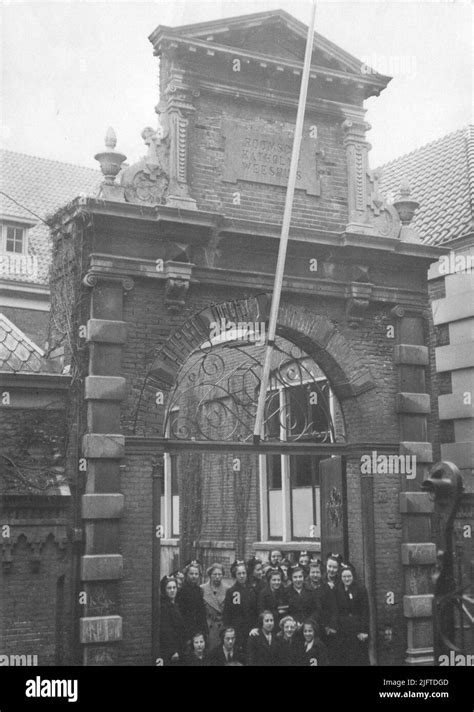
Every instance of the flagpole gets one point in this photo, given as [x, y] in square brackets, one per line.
[285, 229]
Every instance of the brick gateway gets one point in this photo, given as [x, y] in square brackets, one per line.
[191, 232]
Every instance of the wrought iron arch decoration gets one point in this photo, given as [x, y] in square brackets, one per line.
[170, 362]
[216, 392]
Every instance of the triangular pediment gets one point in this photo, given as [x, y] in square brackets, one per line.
[275, 34]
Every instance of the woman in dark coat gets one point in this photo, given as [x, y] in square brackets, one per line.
[302, 603]
[311, 651]
[240, 606]
[263, 649]
[328, 608]
[191, 602]
[274, 597]
[255, 576]
[172, 629]
[353, 620]
[288, 647]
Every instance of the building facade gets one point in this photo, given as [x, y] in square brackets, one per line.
[163, 284]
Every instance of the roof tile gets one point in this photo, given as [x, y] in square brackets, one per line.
[441, 177]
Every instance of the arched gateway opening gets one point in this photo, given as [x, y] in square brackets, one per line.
[226, 496]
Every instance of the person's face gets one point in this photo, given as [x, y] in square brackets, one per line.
[284, 568]
[298, 580]
[199, 644]
[332, 568]
[193, 574]
[179, 579]
[308, 633]
[276, 557]
[258, 572]
[241, 574]
[289, 628]
[347, 577]
[304, 560]
[275, 582]
[229, 640]
[315, 574]
[216, 577]
[268, 623]
[171, 590]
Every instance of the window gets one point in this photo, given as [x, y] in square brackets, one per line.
[289, 484]
[170, 496]
[13, 239]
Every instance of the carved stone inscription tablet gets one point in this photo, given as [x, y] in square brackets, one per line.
[264, 156]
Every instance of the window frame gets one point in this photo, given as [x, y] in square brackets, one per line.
[286, 484]
[17, 225]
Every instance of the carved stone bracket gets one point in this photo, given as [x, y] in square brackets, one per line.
[358, 303]
[398, 311]
[93, 277]
[178, 277]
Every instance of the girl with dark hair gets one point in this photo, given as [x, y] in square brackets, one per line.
[255, 575]
[197, 656]
[172, 628]
[191, 602]
[353, 614]
[240, 605]
[274, 597]
[214, 595]
[263, 648]
[312, 651]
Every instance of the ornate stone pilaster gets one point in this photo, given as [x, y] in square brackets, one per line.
[176, 112]
[357, 167]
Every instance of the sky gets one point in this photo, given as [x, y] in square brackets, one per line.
[71, 68]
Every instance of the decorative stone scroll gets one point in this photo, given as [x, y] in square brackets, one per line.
[147, 180]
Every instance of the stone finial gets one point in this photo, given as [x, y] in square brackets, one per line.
[110, 138]
[405, 207]
[110, 160]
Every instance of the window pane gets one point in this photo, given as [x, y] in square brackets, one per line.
[301, 468]
[175, 515]
[14, 241]
[302, 512]
[274, 471]
[275, 524]
[272, 415]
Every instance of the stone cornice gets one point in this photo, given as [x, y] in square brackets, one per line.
[169, 39]
[43, 381]
[275, 97]
[119, 267]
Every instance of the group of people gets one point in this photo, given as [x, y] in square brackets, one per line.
[275, 613]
